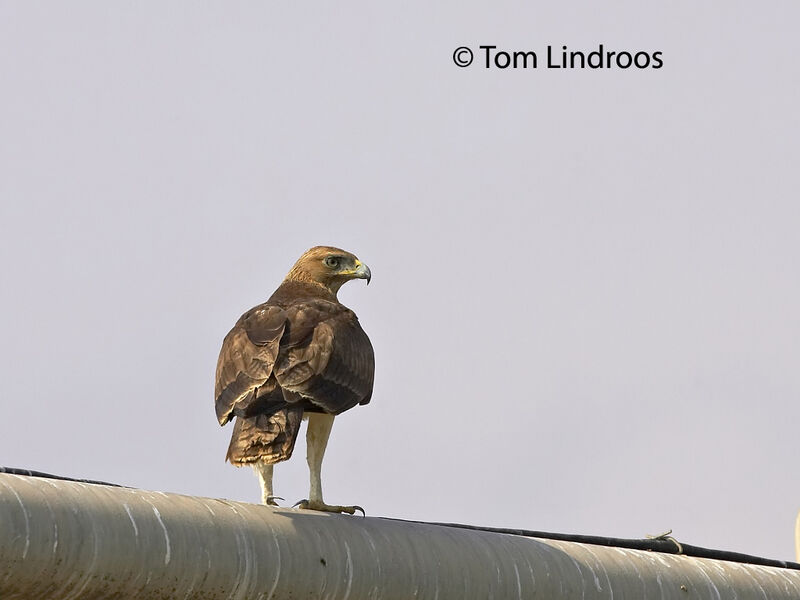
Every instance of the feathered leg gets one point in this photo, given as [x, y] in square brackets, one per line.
[319, 430]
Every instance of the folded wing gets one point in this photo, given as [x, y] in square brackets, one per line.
[246, 360]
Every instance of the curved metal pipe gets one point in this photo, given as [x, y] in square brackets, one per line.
[63, 539]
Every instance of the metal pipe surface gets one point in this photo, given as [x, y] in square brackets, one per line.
[62, 539]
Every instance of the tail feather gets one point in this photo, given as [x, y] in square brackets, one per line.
[266, 438]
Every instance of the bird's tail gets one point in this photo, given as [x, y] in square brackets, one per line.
[266, 438]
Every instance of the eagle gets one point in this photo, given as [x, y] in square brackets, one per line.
[302, 354]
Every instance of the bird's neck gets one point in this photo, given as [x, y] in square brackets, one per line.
[301, 280]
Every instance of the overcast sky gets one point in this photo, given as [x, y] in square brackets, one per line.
[585, 303]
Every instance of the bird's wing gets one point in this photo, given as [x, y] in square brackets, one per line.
[326, 357]
[247, 359]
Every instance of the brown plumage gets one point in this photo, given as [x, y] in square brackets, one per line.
[301, 352]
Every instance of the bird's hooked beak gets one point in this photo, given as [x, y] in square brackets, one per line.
[362, 271]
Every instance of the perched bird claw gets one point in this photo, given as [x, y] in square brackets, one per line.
[334, 508]
[270, 500]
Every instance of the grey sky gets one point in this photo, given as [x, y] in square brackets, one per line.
[585, 288]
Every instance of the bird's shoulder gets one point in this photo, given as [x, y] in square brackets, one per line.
[291, 313]
[303, 301]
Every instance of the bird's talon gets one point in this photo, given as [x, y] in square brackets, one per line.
[270, 500]
[321, 506]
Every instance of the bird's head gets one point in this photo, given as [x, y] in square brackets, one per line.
[329, 267]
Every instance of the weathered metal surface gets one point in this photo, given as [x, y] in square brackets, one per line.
[61, 540]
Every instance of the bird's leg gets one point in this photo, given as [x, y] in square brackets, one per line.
[319, 429]
[264, 473]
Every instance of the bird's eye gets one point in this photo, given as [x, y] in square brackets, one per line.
[332, 262]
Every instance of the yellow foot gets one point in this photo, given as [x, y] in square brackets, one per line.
[316, 505]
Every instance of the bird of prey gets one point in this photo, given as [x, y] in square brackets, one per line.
[300, 354]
